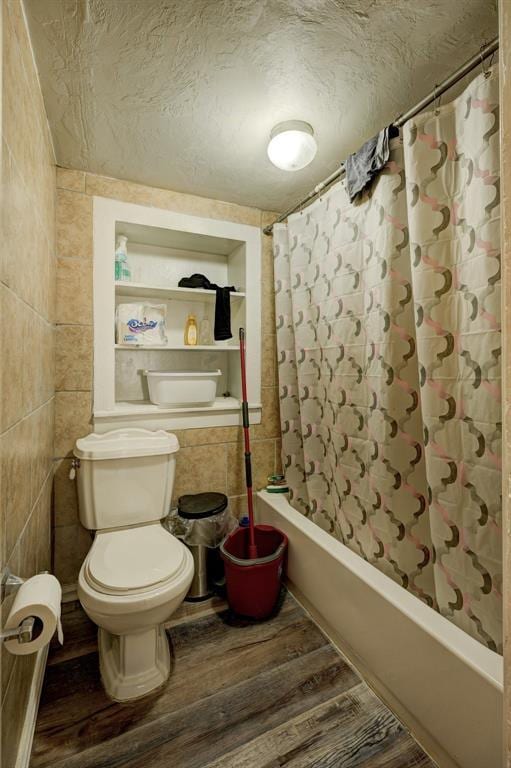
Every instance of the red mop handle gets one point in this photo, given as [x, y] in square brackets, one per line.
[248, 458]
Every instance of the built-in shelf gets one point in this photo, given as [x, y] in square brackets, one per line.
[181, 347]
[144, 407]
[163, 246]
[160, 292]
[151, 416]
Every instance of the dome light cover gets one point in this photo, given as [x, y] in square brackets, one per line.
[292, 145]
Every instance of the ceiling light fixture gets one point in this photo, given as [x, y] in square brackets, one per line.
[292, 145]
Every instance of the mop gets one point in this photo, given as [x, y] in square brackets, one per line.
[252, 549]
[253, 571]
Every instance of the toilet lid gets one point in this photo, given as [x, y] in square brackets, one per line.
[133, 559]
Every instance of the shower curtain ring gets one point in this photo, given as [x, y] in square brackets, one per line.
[438, 98]
[317, 190]
[486, 72]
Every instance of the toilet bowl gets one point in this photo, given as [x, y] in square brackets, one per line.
[136, 573]
[130, 583]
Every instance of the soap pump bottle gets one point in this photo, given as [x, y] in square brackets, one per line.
[191, 331]
[122, 270]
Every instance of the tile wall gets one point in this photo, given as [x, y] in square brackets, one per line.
[27, 303]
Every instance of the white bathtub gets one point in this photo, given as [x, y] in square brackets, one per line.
[444, 685]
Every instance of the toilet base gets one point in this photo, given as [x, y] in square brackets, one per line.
[133, 665]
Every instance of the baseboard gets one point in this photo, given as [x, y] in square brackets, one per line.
[27, 732]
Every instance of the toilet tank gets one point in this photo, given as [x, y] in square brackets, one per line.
[125, 477]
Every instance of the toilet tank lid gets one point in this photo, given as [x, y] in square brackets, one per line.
[125, 443]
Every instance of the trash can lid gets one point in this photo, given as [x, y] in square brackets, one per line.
[194, 506]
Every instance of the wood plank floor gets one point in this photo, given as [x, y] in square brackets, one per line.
[241, 695]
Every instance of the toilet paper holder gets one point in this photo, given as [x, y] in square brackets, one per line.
[10, 585]
[24, 632]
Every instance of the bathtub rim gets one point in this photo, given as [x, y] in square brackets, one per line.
[482, 660]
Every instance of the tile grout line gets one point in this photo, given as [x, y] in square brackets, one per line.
[48, 476]
[26, 304]
[49, 135]
[27, 415]
[34, 201]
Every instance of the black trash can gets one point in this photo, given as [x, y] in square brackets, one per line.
[206, 527]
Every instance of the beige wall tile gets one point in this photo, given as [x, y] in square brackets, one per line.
[32, 371]
[42, 429]
[38, 361]
[39, 260]
[268, 217]
[74, 292]
[268, 325]
[65, 495]
[15, 472]
[27, 350]
[24, 124]
[45, 273]
[238, 506]
[52, 287]
[72, 542]
[270, 422]
[73, 364]
[47, 199]
[28, 546]
[72, 180]
[74, 225]
[199, 469]
[19, 231]
[72, 420]
[27, 240]
[130, 192]
[267, 287]
[209, 436]
[268, 360]
[263, 464]
[43, 513]
[12, 314]
[47, 355]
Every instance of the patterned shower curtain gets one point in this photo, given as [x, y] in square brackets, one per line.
[388, 333]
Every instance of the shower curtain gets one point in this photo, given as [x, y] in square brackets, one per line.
[388, 335]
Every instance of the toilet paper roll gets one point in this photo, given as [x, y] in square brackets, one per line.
[40, 597]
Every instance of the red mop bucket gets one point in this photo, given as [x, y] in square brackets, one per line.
[253, 585]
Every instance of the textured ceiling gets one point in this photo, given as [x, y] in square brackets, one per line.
[183, 93]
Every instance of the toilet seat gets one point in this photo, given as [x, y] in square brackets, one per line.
[133, 561]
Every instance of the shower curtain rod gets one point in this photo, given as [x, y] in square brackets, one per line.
[438, 90]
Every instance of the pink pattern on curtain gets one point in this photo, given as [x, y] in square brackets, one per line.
[389, 363]
[452, 157]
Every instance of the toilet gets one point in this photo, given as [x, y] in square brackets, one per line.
[136, 573]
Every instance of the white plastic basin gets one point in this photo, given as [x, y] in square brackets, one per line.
[180, 388]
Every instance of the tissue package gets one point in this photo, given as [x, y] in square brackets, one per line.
[141, 324]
